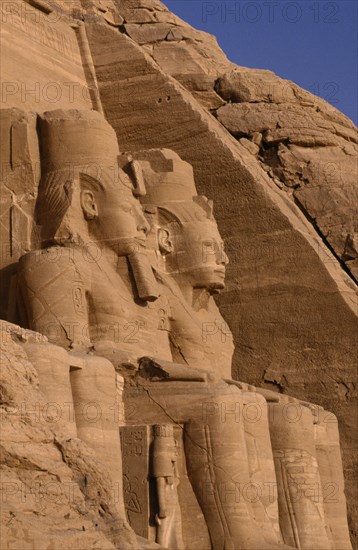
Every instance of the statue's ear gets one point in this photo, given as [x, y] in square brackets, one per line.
[164, 241]
[88, 204]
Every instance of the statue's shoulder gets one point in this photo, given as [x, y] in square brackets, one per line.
[53, 261]
[170, 294]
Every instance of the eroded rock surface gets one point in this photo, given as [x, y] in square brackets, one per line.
[290, 305]
[308, 147]
[55, 492]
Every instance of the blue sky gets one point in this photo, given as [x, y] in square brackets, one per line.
[312, 42]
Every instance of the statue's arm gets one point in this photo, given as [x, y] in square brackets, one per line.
[158, 369]
[53, 286]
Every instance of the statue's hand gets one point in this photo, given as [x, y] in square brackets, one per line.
[122, 359]
[242, 385]
[158, 369]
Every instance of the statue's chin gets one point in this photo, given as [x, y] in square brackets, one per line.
[213, 287]
[126, 246]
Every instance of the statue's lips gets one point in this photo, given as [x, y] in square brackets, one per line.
[138, 245]
[141, 241]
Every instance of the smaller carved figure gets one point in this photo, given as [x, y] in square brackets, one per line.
[165, 471]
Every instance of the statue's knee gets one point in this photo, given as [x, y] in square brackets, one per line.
[222, 407]
[327, 418]
[99, 366]
[49, 360]
[46, 352]
[94, 379]
[260, 399]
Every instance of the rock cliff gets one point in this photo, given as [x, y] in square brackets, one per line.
[55, 493]
[280, 165]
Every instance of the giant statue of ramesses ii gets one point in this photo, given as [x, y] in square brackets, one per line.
[124, 281]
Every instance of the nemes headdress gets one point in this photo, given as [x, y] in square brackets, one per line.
[169, 183]
[77, 138]
[77, 145]
[80, 149]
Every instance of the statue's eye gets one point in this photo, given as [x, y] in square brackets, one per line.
[127, 207]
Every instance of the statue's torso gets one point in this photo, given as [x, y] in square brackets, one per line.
[76, 301]
[199, 337]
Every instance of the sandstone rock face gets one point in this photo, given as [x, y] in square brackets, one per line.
[43, 68]
[20, 174]
[304, 144]
[280, 165]
[170, 242]
[55, 492]
[276, 114]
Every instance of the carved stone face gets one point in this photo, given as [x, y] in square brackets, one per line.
[118, 219]
[196, 251]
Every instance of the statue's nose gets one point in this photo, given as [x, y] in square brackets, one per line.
[142, 224]
[222, 258]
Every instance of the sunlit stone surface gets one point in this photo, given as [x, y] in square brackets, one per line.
[155, 395]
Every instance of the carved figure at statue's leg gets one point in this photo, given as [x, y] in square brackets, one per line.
[215, 450]
[164, 458]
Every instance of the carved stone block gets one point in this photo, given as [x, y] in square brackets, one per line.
[135, 444]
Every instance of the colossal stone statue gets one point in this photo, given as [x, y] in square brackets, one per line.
[122, 293]
[187, 242]
[56, 283]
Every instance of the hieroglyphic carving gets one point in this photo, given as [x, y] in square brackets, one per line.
[135, 443]
[47, 50]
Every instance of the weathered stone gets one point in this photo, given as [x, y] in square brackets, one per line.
[245, 85]
[252, 147]
[140, 16]
[308, 154]
[278, 123]
[51, 74]
[144, 34]
[112, 280]
[55, 490]
[208, 99]
[272, 246]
